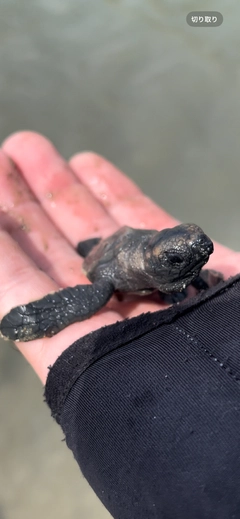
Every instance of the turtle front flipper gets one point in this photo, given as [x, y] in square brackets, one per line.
[84, 247]
[174, 297]
[54, 312]
[207, 278]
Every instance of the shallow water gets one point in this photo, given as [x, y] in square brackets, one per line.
[132, 81]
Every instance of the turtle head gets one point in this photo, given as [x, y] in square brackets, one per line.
[174, 257]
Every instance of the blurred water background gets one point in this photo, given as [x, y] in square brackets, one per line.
[132, 81]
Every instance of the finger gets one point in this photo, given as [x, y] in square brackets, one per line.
[20, 280]
[69, 204]
[124, 201]
[23, 218]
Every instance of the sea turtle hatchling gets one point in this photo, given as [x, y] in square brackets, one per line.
[130, 260]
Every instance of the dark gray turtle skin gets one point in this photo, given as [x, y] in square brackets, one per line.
[130, 260]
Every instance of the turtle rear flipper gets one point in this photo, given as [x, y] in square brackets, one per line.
[54, 312]
[84, 247]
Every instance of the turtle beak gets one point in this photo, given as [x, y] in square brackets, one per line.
[203, 248]
[210, 247]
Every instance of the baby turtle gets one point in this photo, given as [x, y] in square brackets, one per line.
[130, 260]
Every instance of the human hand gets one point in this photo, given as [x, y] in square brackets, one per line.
[48, 206]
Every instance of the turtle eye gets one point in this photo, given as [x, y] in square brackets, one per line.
[174, 257]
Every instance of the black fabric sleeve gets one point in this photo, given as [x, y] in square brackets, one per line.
[150, 408]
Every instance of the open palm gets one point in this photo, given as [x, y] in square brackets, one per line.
[47, 207]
